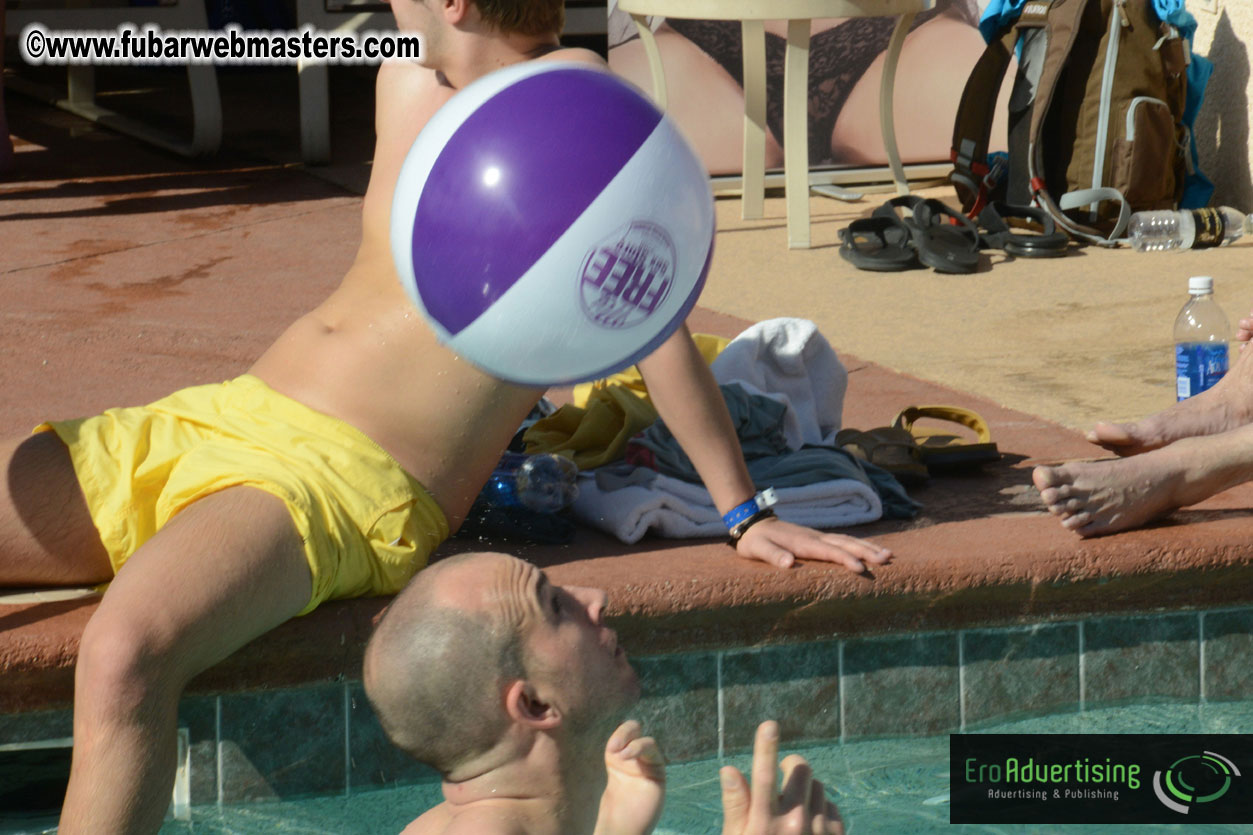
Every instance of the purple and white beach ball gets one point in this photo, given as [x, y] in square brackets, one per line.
[552, 224]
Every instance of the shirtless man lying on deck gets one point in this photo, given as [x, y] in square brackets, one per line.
[228, 527]
[1175, 458]
[509, 686]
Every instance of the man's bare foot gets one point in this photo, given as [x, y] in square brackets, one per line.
[1244, 330]
[1191, 418]
[1226, 406]
[1101, 497]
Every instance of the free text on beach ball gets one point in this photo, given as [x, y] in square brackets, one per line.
[551, 224]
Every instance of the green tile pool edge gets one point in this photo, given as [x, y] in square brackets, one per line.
[323, 739]
[883, 787]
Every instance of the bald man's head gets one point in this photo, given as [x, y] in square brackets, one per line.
[436, 665]
[443, 665]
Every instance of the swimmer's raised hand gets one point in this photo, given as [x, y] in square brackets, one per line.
[782, 543]
[801, 808]
[636, 789]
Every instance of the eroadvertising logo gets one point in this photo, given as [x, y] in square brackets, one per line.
[1101, 778]
[1209, 772]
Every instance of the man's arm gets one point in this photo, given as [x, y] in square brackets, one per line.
[687, 397]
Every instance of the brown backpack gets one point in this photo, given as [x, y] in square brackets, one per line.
[1095, 117]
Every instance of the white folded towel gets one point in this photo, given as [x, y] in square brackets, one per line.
[788, 360]
[673, 508]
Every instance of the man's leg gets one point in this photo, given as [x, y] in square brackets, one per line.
[1100, 497]
[225, 570]
[46, 534]
[1226, 406]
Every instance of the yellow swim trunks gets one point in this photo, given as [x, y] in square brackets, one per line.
[367, 525]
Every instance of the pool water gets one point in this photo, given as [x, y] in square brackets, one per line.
[893, 786]
[889, 786]
[900, 786]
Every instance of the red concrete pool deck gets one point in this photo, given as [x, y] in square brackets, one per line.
[981, 553]
[127, 274]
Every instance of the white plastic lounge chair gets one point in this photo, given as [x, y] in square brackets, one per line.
[81, 97]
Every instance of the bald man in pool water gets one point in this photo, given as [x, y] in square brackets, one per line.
[215, 526]
[509, 686]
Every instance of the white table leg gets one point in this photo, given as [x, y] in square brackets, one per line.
[81, 85]
[206, 109]
[313, 82]
[796, 133]
[754, 167]
[654, 59]
[887, 86]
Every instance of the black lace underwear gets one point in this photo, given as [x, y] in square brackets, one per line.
[838, 57]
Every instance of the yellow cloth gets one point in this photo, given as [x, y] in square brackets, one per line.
[367, 525]
[594, 430]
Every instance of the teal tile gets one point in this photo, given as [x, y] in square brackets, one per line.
[283, 744]
[32, 788]
[373, 761]
[1228, 655]
[33, 781]
[1151, 657]
[199, 715]
[36, 725]
[679, 703]
[797, 685]
[895, 686]
[1012, 673]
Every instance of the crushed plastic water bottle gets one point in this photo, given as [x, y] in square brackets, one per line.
[1167, 229]
[543, 483]
[1201, 337]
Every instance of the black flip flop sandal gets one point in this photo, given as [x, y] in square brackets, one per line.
[904, 201]
[946, 240]
[882, 244]
[1049, 243]
[945, 247]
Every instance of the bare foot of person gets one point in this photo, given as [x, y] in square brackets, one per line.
[1244, 330]
[1101, 497]
[1226, 406]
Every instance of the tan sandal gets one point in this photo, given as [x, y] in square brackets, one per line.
[942, 450]
[887, 447]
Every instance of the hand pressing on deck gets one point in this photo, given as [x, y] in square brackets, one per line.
[686, 395]
[800, 808]
[782, 543]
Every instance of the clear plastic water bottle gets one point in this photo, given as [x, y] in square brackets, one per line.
[544, 483]
[1201, 337]
[1159, 231]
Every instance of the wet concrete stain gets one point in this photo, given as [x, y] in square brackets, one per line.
[209, 221]
[158, 287]
[79, 258]
[70, 270]
[85, 247]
